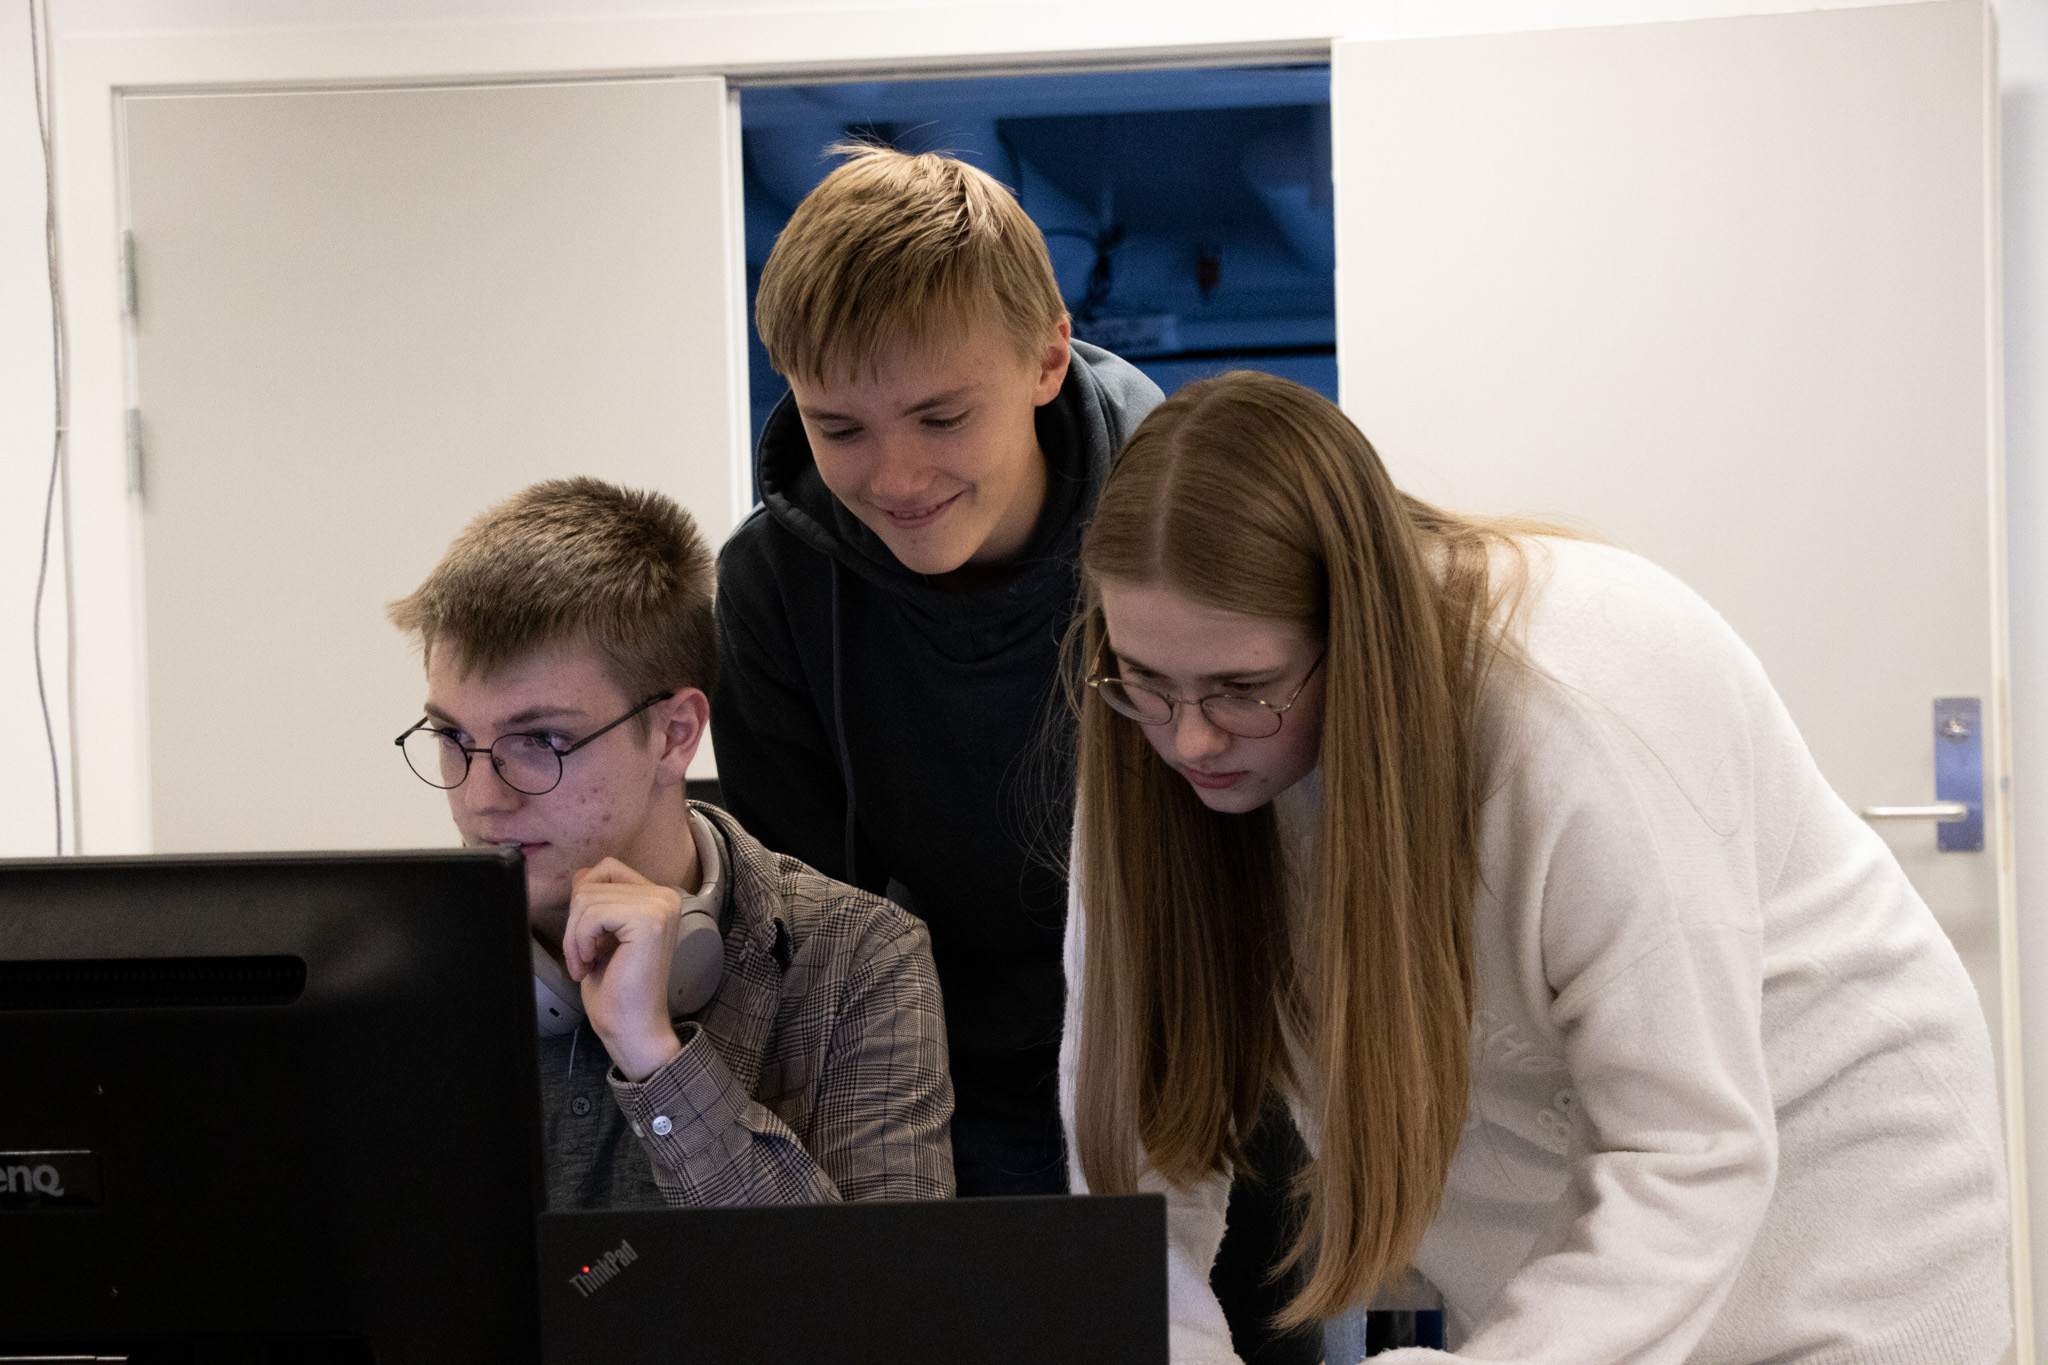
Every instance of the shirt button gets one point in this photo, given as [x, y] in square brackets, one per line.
[580, 1105]
[661, 1126]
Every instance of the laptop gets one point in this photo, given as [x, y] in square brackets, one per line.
[960, 1282]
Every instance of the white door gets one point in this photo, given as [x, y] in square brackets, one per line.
[1722, 292]
[362, 317]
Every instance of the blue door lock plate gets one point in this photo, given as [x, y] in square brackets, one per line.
[1959, 771]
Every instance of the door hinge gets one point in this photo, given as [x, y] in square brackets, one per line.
[129, 288]
[134, 425]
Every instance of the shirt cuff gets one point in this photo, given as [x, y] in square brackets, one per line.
[686, 1104]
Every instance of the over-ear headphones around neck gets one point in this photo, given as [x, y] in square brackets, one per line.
[693, 973]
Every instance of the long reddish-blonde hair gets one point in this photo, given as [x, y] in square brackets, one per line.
[1255, 495]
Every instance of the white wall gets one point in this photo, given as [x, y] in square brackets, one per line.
[27, 820]
[25, 815]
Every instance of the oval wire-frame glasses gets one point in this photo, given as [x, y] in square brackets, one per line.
[527, 760]
[1245, 717]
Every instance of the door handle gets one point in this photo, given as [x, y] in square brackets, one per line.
[1958, 807]
[1944, 811]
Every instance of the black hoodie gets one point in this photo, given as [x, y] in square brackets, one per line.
[833, 657]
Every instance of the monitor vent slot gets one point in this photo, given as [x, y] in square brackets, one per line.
[151, 983]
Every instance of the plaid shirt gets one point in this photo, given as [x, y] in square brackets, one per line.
[817, 1072]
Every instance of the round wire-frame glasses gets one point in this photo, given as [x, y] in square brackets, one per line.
[1245, 717]
[527, 761]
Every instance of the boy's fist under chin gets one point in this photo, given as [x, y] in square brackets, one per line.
[621, 938]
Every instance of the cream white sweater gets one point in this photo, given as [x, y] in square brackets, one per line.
[1732, 1094]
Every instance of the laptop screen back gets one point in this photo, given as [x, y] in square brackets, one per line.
[1021, 1281]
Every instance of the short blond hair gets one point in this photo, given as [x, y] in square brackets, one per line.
[573, 563]
[893, 248]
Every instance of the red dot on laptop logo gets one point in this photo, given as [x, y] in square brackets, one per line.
[586, 1270]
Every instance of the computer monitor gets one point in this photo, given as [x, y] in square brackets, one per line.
[268, 1108]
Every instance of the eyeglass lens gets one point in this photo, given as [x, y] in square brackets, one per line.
[527, 763]
[1245, 717]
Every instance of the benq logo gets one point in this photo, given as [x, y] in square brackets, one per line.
[33, 1179]
[604, 1269]
[45, 1180]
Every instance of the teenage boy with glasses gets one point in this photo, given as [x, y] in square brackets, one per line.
[890, 617]
[568, 635]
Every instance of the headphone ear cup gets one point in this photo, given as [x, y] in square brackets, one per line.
[557, 1001]
[694, 972]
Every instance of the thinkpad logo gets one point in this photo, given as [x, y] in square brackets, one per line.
[604, 1269]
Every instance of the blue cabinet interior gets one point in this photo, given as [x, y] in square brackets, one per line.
[1188, 212]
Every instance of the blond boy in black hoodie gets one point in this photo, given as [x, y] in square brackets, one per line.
[890, 616]
[888, 707]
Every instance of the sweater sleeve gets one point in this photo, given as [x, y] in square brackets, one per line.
[1197, 1332]
[778, 764]
[1675, 1163]
[1622, 873]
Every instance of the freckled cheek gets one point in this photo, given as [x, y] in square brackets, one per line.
[592, 813]
[576, 821]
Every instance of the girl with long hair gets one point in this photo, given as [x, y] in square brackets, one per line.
[1493, 852]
